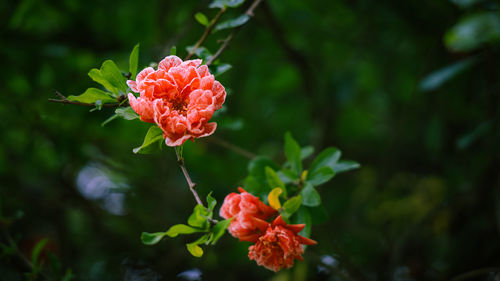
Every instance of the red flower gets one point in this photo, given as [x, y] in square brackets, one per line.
[248, 213]
[279, 246]
[180, 97]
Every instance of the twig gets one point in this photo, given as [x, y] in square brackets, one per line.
[64, 100]
[192, 185]
[19, 255]
[208, 29]
[241, 151]
[228, 39]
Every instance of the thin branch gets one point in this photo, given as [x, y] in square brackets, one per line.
[208, 29]
[64, 100]
[225, 42]
[192, 185]
[26, 264]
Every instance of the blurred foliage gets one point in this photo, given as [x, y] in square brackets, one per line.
[410, 89]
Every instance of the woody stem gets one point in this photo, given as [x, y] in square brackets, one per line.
[206, 33]
[192, 185]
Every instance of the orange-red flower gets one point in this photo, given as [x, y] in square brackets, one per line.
[248, 213]
[180, 97]
[279, 246]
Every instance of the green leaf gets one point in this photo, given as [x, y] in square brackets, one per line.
[126, 113]
[199, 217]
[152, 238]
[273, 180]
[222, 68]
[202, 19]
[151, 140]
[173, 51]
[92, 95]
[255, 186]
[293, 153]
[288, 176]
[291, 206]
[320, 176]
[303, 216]
[344, 166]
[327, 158]
[473, 31]
[110, 77]
[226, 3]
[211, 202]
[310, 197]
[219, 229]
[201, 52]
[193, 247]
[466, 3]
[306, 152]
[177, 229]
[134, 62]
[437, 78]
[257, 166]
[232, 23]
[35, 254]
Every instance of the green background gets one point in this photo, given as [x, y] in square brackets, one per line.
[409, 89]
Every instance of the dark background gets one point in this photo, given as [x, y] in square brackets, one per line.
[356, 74]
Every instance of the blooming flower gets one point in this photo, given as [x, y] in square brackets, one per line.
[248, 213]
[180, 97]
[279, 246]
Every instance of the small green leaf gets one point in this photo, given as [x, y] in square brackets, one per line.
[173, 51]
[177, 229]
[222, 68]
[199, 217]
[232, 23]
[152, 138]
[273, 180]
[288, 176]
[193, 247]
[327, 158]
[134, 62]
[293, 153]
[211, 202]
[306, 152]
[202, 19]
[473, 31]
[126, 113]
[310, 197]
[201, 52]
[320, 176]
[92, 95]
[35, 254]
[304, 216]
[344, 166]
[226, 3]
[110, 77]
[439, 77]
[291, 206]
[219, 229]
[152, 238]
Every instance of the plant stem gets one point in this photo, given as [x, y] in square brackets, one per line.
[225, 42]
[63, 99]
[208, 29]
[192, 185]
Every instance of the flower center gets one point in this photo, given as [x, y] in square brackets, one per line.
[180, 105]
